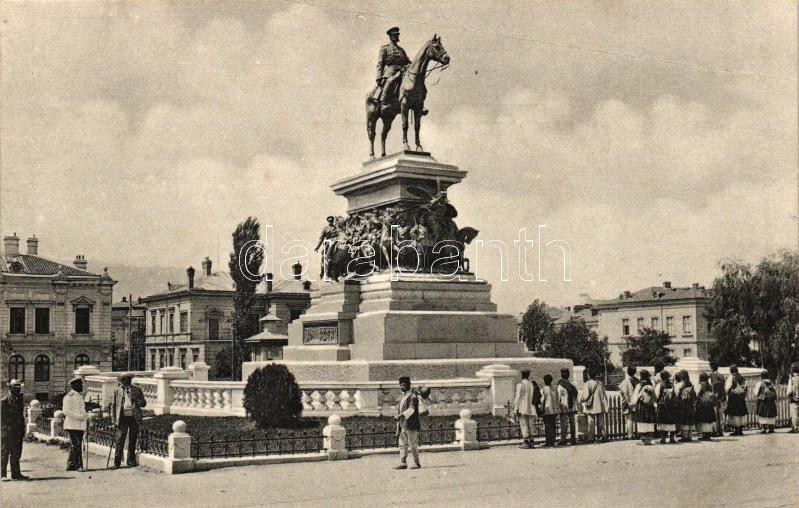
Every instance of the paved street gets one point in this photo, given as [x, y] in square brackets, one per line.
[753, 471]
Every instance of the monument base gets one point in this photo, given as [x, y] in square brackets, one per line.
[391, 316]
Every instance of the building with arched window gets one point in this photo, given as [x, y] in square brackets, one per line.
[193, 321]
[53, 318]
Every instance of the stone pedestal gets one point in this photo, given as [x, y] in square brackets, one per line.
[334, 439]
[164, 392]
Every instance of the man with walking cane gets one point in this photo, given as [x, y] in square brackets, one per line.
[126, 415]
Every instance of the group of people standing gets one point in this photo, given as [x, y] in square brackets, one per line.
[666, 407]
[126, 416]
[654, 405]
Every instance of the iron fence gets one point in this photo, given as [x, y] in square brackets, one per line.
[382, 435]
[281, 442]
[152, 443]
[439, 434]
[43, 425]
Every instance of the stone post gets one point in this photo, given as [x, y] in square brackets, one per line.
[107, 388]
[335, 439]
[34, 412]
[466, 431]
[366, 401]
[179, 444]
[164, 393]
[57, 424]
[503, 385]
[199, 371]
[86, 370]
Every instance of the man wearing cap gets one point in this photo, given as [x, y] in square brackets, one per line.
[390, 62]
[74, 408]
[12, 418]
[408, 425]
[126, 414]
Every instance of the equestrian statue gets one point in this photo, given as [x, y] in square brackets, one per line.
[400, 88]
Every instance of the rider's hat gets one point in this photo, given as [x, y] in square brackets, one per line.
[393, 30]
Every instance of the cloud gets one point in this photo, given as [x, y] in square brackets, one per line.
[139, 133]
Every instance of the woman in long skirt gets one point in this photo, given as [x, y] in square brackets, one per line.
[643, 400]
[736, 410]
[766, 404]
[686, 399]
[705, 415]
[667, 408]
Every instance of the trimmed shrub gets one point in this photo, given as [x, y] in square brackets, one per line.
[272, 396]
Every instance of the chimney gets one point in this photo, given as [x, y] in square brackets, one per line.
[80, 262]
[667, 284]
[297, 270]
[33, 246]
[627, 294]
[269, 280]
[190, 275]
[11, 245]
[695, 285]
[207, 265]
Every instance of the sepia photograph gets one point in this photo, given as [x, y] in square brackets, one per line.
[354, 253]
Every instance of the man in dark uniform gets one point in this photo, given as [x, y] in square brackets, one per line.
[390, 63]
[12, 415]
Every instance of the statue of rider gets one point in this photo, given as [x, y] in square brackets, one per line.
[390, 63]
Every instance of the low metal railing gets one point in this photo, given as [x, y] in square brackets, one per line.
[282, 442]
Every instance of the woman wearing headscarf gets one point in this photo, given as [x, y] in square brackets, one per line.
[705, 408]
[667, 408]
[736, 410]
[766, 403]
[643, 401]
[686, 399]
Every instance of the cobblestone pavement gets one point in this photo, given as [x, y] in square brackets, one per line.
[755, 470]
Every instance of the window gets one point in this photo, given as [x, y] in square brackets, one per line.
[213, 328]
[161, 321]
[42, 320]
[82, 359]
[171, 353]
[41, 369]
[82, 321]
[687, 328]
[161, 359]
[16, 368]
[183, 359]
[152, 360]
[670, 325]
[655, 323]
[625, 327]
[17, 320]
[171, 321]
[184, 322]
[640, 324]
[687, 352]
[152, 323]
[195, 355]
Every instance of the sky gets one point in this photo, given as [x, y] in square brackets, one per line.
[654, 139]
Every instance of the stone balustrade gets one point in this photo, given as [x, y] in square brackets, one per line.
[207, 398]
[149, 388]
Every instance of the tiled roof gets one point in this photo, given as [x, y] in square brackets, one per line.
[221, 281]
[659, 294]
[291, 286]
[35, 265]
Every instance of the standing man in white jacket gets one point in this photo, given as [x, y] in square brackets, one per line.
[524, 405]
[74, 409]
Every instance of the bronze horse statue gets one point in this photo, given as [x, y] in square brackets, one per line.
[412, 93]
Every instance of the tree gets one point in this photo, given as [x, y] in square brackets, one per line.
[245, 268]
[536, 326]
[223, 364]
[650, 347]
[575, 341]
[758, 306]
[272, 396]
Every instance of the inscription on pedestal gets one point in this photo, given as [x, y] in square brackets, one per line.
[321, 333]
